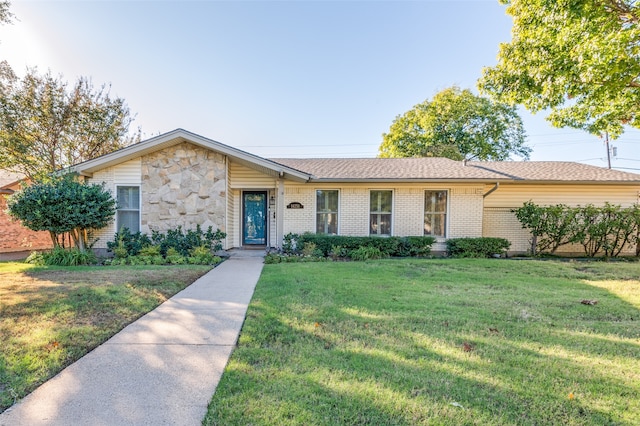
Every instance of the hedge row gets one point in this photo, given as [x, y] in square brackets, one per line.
[605, 230]
[477, 247]
[126, 243]
[175, 247]
[334, 245]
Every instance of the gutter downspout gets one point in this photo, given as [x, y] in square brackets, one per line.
[497, 185]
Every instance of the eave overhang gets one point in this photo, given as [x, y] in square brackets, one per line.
[476, 181]
[179, 136]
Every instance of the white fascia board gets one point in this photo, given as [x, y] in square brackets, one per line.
[178, 136]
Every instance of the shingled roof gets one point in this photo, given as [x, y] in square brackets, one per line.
[443, 169]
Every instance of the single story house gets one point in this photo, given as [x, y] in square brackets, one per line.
[183, 179]
[16, 241]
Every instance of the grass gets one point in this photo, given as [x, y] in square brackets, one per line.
[438, 342]
[52, 316]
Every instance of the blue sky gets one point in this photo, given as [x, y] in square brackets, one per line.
[285, 78]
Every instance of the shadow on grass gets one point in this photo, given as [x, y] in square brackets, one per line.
[433, 343]
[52, 317]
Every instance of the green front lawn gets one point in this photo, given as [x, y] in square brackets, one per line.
[52, 316]
[487, 342]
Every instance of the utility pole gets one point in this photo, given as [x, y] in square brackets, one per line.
[606, 142]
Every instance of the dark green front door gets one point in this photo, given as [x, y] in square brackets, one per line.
[254, 218]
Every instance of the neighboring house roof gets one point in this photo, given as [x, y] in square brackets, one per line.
[8, 178]
[178, 136]
[443, 169]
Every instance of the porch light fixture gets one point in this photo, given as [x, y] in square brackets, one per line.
[272, 201]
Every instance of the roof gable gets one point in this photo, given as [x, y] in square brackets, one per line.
[178, 136]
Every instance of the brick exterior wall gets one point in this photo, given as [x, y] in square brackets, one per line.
[408, 214]
[465, 211]
[299, 220]
[353, 212]
[464, 218]
[500, 222]
[15, 237]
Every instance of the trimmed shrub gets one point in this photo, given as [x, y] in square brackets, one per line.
[272, 258]
[175, 247]
[365, 253]
[202, 255]
[551, 226]
[388, 246]
[185, 242]
[608, 229]
[601, 230]
[476, 247]
[290, 243]
[175, 258]
[63, 205]
[126, 244]
[416, 246]
[338, 252]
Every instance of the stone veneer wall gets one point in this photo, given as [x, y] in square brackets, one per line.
[183, 185]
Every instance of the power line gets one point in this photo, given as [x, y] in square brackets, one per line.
[590, 159]
[305, 146]
[627, 168]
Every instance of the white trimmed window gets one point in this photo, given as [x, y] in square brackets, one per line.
[128, 213]
[327, 211]
[380, 206]
[435, 213]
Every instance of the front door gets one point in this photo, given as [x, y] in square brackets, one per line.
[254, 218]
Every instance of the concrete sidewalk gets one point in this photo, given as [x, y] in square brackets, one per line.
[161, 369]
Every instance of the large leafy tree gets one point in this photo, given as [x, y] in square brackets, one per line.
[459, 125]
[5, 15]
[578, 59]
[63, 205]
[6, 73]
[45, 124]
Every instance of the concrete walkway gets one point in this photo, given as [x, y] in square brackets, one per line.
[161, 369]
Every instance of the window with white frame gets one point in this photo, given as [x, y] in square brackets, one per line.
[435, 213]
[380, 206]
[128, 213]
[327, 211]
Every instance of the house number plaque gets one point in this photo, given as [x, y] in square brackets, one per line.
[295, 205]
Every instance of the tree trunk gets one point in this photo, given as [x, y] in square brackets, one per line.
[534, 244]
[75, 238]
[82, 238]
[54, 239]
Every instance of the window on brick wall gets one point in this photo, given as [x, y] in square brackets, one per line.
[128, 213]
[327, 211]
[380, 206]
[435, 213]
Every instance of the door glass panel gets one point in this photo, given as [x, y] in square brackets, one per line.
[254, 229]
